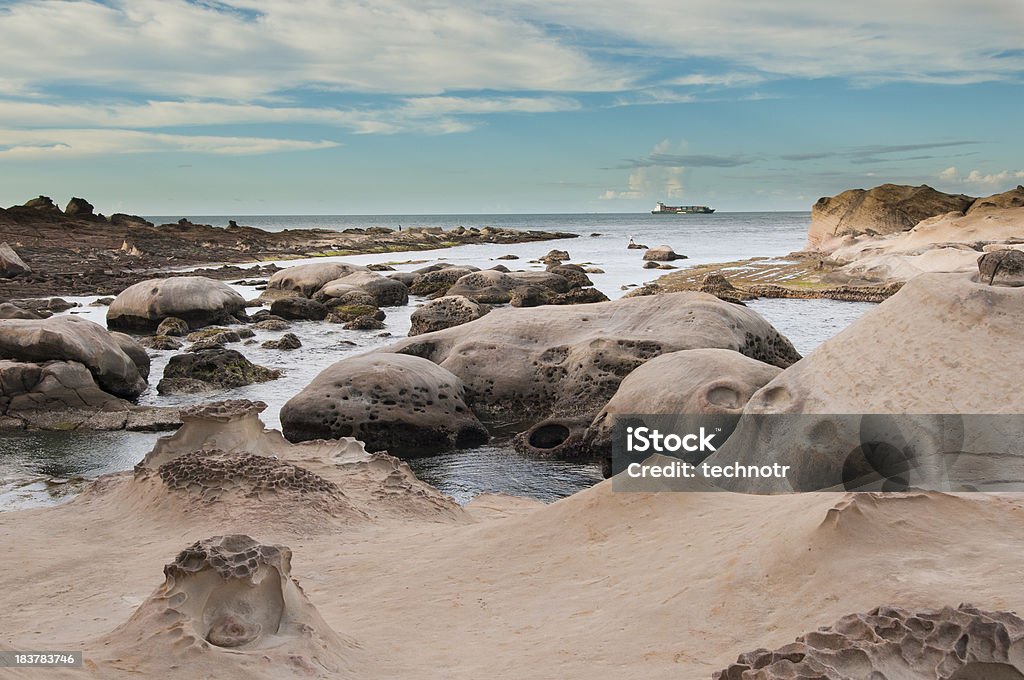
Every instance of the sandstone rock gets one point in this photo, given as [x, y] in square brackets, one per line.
[445, 312]
[346, 313]
[572, 273]
[135, 351]
[1002, 268]
[662, 254]
[352, 297]
[121, 219]
[529, 296]
[172, 326]
[70, 338]
[1014, 198]
[568, 361]
[288, 341]
[272, 325]
[556, 257]
[385, 291]
[306, 279]
[403, 404]
[650, 265]
[494, 287]
[886, 209]
[10, 264]
[890, 642]
[220, 336]
[211, 369]
[298, 308]
[160, 342]
[716, 284]
[926, 350]
[578, 296]
[438, 281]
[695, 382]
[507, 257]
[79, 207]
[41, 203]
[197, 300]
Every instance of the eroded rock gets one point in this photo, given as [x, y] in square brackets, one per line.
[197, 300]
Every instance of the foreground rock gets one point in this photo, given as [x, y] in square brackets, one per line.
[197, 300]
[1002, 268]
[926, 350]
[886, 209]
[403, 404]
[527, 364]
[69, 338]
[890, 642]
[211, 369]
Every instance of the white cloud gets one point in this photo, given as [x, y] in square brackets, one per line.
[655, 182]
[32, 144]
[977, 178]
[720, 79]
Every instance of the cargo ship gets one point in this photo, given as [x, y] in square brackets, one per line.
[662, 209]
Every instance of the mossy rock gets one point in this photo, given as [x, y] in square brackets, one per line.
[346, 313]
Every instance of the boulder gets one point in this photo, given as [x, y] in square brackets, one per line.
[556, 257]
[288, 341]
[695, 382]
[299, 309]
[364, 323]
[12, 311]
[386, 292]
[572, 273]
[437, 282]
[172, 326]
[197, 300]
[160, 343]
[495, 287]
[445, 312]
[886, 209]
[306, 279]
[71, 338]
[79, 207]
[272, 325]
[578, 296]
[403, 404]
[568, 361]
[529, 296]
[135, 351]
[662, 254]
[926, 350]
[10, 264]
[1002, 268]
[346, 313]
[211, 369]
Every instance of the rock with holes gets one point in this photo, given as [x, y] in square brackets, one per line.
[1002, 268]
[527, 364]
[197, 300]
[403, 404]
[495, 287]
[229, 602]
[696, 385]
[926, 350]
[438, 281]
[965, 643]
[445, 312]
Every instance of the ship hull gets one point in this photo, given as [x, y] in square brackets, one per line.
[707, 211]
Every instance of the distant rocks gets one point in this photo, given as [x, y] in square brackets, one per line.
[10, 264]
[41, 203]
[1002, 267]
[288, 341]
[196, 300]
[79, 207]
[211, 369]
[885, 209]
[403, 404]
[662, 254]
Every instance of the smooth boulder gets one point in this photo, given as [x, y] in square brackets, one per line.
[662, 254]
[306, 279]
[405, 405]
[197, 300]
[11, 264]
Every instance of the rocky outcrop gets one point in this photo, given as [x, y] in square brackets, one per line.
[10, 264]
[405, 405]
[445, 312]
[306, 279]
[889, 642]
[70, 338]
[926, 350]
[197, 300]
[211, 369]
[79, 207]
[526, 364]
[662, 254]
[1002, 268]
[1014, 198]
[886, 209]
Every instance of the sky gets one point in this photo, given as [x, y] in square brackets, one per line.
[235, 107]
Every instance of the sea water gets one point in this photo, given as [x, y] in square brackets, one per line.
[34, 467]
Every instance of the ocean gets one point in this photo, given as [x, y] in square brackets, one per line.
[34, 466]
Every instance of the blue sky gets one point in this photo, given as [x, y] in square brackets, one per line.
[419, 106]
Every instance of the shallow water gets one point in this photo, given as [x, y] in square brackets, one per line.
[30, 462]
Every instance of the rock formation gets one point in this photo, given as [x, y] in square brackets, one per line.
[79, 207]
[211, 369]
[197, 300]
[403, 404]
[445, 312]
[306, 279]
[230, 599]
[10, 264]
[531, 363]
[495, 287]
[886, 209]
[298, 309]
[288, 341]
[897, 359]
[1002, 267]
[965, 643]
